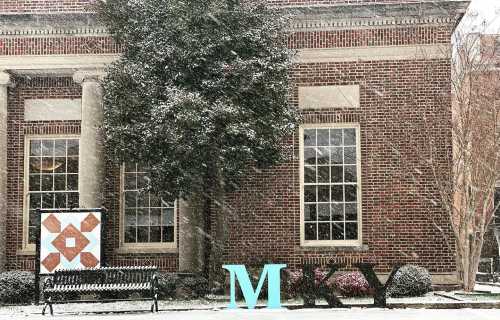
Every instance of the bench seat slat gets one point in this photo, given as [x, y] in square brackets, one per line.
[99, 287]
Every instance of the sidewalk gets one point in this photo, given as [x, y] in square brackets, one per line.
[284, 314]
[216, 308]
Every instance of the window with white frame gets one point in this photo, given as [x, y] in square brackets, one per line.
[330, 174]
[147, 218]
[52, 176]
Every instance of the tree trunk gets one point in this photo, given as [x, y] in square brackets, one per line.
[217, 275]
[214, 228]
[468, 256]
[496, 231]
[207, 229]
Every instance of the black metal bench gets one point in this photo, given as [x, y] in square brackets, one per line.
[142, 280]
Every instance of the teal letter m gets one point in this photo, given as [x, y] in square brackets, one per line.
[272, 271]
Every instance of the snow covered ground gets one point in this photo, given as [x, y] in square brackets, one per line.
[284, 314]
[215, 308]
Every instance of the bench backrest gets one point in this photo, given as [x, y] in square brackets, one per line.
[111, 275]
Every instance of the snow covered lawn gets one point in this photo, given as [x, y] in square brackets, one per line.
[215, 308]
[284, 314]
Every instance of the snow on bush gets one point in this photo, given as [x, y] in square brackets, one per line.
[167, 282]
[295, 281]
[410, 281]
[352, 284]
[195, 287]
[171, 286]
[16, 287]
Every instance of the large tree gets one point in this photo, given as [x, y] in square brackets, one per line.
[199, 93]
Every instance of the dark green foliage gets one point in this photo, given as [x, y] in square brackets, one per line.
[167, 283]
[194, 287]
[171, 286]
[201, 90]
[17, 287]
[410, 281]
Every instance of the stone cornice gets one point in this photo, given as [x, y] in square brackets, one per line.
[377, 15]
[304, 18]
[51, 25]
[90, 75]
[336, 24]
[58, 64]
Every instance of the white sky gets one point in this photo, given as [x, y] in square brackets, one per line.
[483, 10]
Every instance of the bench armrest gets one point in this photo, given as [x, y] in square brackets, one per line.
[154, 283]
[48, 283]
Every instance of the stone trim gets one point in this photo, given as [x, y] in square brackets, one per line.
[50, 24]
[52, 109]
[83, 75]
[59, 64]
[343, 24]
[328, 17]
[305, 18]
[411, 52]
[327, 97]
[67, 64]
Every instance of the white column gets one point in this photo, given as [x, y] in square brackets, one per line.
[91, 173]
[4, 83]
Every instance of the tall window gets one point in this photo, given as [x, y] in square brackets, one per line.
[331, 188]
[52, 176]
[148, 219]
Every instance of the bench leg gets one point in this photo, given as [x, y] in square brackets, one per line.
[48, 303]
[154, 306]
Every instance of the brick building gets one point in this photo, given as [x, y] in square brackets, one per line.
[366, 73]
[489, 47]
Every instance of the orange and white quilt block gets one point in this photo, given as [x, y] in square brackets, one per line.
[70, 240]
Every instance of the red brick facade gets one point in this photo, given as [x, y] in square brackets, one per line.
[43, 6]
[18, 128]
[396, 225]
[13, 46]
[37, 88]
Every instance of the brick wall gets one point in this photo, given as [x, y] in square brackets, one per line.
[56, 88]
[12, 46]
[397, 226]
[41, 6]
[370, 37]
[17, 128]
[57, 6]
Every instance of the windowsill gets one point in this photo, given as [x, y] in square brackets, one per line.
[145, 249]
[25, 252]
[335, 248]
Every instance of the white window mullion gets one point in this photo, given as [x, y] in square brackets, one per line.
[347, 143]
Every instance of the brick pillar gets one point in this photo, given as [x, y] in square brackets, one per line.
[91, 175]
[4, 83]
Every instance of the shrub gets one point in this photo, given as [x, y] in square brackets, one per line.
[410, 281]
[167, 283]
[352, 284]
[16, 286]
[295, 281]
[192, 287]
[171, 286]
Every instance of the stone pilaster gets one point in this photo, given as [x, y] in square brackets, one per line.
[4, 83]
[91, 175]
